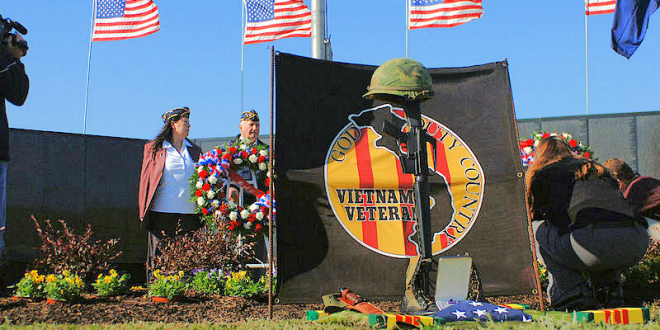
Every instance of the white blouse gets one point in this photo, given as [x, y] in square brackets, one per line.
[173, 192]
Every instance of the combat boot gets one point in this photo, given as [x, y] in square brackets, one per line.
[415, 299]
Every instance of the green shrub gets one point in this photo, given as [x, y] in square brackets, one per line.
[647, 271]
[32, 285]
[64, 286]
[239, 284]
[169, 286]
[111, 284]
[209, 282]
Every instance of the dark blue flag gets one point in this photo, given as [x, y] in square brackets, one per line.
[478, 311]
[631, 19]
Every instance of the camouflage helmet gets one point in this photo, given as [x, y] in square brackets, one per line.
[401, 77]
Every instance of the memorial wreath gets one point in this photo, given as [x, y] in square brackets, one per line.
[213, 173]
[527, 146]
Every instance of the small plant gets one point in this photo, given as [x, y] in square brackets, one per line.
[647, 271]
[209, 282]
[202, 249]
[65, 250]
[168, 286]
[64, 286]
[543, 275]
[32, 285]
[111, 284]
[239, 284]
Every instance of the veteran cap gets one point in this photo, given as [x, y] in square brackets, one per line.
[176, 114]
[250, 116]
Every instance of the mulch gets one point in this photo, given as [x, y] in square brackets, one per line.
[137, 307]
[93, 310]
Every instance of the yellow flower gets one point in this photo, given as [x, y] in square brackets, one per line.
[40, 279]
[157, 273]
[176, 277]
[34, 273]
[79, 282]
[113, 272]
[66, 272]
[69, 280]
[108, 279]
[99, 277]
[181, 273]
[51, 278]
[239, 276]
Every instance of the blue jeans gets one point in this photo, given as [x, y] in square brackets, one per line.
[604, 249]
[3, 204]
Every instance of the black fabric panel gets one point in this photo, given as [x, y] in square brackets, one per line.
[476, 103]
[316, 256]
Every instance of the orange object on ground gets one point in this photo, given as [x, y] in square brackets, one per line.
[356, 303]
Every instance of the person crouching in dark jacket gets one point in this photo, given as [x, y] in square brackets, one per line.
[585, 231]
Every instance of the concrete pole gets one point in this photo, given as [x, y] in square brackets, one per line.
[318, 29]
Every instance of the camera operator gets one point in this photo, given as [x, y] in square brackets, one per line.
[14, 85]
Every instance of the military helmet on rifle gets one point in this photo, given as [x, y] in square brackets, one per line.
[401, 77]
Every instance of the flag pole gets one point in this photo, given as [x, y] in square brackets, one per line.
[243, 18]
[407, 24]
[586, 54]
[89, 62]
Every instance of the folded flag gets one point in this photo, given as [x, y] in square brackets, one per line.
[467, 310]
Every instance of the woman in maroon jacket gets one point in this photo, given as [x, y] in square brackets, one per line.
[167, 164]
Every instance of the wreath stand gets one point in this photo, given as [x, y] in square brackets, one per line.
[260, 264]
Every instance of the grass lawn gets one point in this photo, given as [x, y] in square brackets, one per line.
[553, 320]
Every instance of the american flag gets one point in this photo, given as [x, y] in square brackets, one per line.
[596, 7]
[467, 310]
[443, 13]
[124, 19]
[269, 20]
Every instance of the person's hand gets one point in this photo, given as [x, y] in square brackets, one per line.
[232, 194]
[12, 46]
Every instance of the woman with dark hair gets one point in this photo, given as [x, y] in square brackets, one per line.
[167, 164]
[585, 232]
[642, 191]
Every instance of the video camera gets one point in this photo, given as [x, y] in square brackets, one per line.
[6, 35]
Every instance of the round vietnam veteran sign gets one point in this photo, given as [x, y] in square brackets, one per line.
[373, 198]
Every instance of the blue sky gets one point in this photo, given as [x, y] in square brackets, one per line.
[195, 61]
